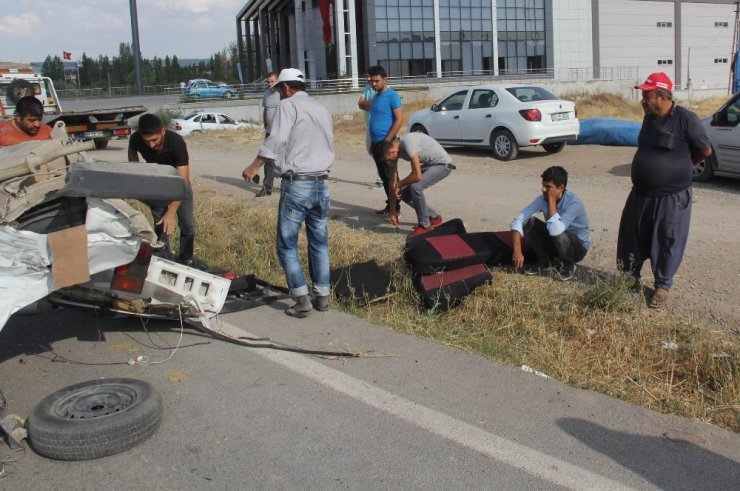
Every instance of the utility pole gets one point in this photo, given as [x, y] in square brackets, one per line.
[137, 51]
[735, 41]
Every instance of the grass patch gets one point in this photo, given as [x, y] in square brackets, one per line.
[596, 334]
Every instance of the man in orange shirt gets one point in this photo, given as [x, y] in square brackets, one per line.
[28, 124]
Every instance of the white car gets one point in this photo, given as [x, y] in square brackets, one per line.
[503, 117]
[206, 121]
[723, 130]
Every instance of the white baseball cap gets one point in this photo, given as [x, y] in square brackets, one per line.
[290, 75]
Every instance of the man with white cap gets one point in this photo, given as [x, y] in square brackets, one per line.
[656, 217]
[302, 146]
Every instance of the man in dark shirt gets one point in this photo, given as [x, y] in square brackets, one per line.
[161, 146]
[656, 217]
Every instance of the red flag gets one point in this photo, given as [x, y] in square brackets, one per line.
[67, 55]
[324, 9]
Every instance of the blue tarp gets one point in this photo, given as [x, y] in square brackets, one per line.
[736, 73]
[608, 131]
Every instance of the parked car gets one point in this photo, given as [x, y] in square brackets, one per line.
[502, 117]
[205, 121]
[206, 89]
[724, 133]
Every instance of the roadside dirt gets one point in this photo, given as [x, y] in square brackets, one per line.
[487, 194]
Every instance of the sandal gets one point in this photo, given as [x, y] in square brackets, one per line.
[660, 297]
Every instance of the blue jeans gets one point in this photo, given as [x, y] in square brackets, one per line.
[304, 201]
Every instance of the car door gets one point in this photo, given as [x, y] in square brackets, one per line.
[477, 119]
[225, 122]
[208, 122]
[444, 123]
[725, 136]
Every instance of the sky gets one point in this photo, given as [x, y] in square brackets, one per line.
[31, 30]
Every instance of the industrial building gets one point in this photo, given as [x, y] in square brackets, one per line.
[692, 41]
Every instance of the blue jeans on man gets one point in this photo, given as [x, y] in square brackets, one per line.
[304, 201]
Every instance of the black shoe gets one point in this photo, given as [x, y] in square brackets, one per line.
[263, 192]
[540, 267]
[321, 303]
[566, 271]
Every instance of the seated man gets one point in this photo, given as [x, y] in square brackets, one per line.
[430, 163]
[28, 124]
[563, 239]
[164, 147]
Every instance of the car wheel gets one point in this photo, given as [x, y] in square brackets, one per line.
[704, 170]
[101, 144]
[195, 97]
[554, 147]
[228, 95]
[504, 145]
[93, 419]
[417, 128]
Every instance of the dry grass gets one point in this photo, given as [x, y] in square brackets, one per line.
[607, 105]
[595, 334]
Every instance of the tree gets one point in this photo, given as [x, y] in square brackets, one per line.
[53, 68]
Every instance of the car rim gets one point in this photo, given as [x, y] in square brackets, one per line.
[503, 146]
[698, 168]
[95, 402]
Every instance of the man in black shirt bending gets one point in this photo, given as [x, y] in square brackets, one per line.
[161, 146]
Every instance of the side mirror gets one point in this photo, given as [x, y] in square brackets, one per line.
[435, 108]
[717, 119]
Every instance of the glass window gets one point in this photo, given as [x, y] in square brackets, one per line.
[379, 12]
[454, 102]
[406, 51]
[482, 99]
[393, 12]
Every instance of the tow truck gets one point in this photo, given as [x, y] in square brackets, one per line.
[100, 125]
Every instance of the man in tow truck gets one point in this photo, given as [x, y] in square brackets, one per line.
[27, 124]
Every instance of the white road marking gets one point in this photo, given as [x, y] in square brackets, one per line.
[514, 454]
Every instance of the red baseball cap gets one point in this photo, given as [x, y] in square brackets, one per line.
[656, 81]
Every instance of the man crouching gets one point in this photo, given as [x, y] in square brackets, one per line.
[563, 239]
[430, 163]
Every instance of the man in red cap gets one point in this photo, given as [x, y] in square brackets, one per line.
[656, 217]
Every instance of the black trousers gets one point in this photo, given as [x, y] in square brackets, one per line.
[655, 228]
[269, 173]
[566, 247]
[384, 171]
[185, 220]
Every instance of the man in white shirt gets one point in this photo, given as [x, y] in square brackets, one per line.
[301, 144]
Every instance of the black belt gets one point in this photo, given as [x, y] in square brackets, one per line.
[449, 166]
[304, 177]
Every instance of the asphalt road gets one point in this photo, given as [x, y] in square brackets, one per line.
[410, 415]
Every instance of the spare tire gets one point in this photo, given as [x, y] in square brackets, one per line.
[18, 89]
[93, 419]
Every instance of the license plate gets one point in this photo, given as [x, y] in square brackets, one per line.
[560, 116]
[94, 134]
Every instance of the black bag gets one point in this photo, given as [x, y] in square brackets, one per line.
[429, 253]
[446, 289]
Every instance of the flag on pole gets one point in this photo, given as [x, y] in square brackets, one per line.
[67, 55]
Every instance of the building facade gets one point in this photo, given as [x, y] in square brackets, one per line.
[692, 41]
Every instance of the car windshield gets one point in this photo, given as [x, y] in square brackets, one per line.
[527, 94]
